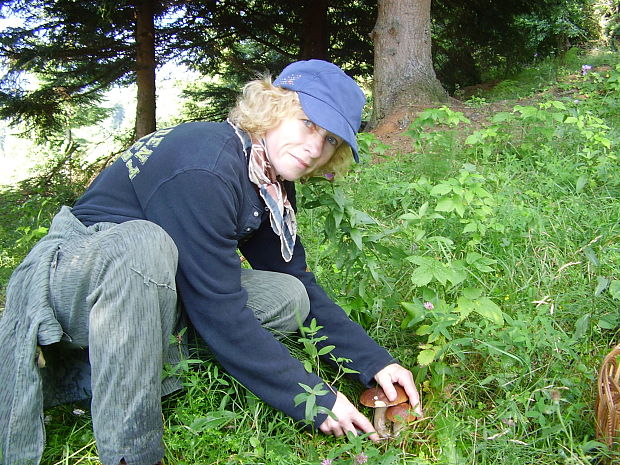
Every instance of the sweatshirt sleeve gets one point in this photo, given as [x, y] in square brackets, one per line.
[350, 340]
[198, 209]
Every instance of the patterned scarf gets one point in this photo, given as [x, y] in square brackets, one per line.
[281, 213]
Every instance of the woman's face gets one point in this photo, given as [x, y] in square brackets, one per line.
[297, 146]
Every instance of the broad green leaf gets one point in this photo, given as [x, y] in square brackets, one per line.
[415, 314]
[602, 283]
[426, 357]
[483, 268]
[423, 330]
[361, 217]
[441, 239]
[430, 295]
[475, 138]
[487, 380]
[338, 215]
[441, 189]
[310, 403]
[488, 309]
[446, 204]
[581, 326]
[472, 293]
[608, 321]
[421, 276]
[460, 208]
[356, 235]
[582, 181]
[423, 208]
[501, 117]
[327, 349]
[442, 274]
[470, 227]
[465, 306]
[472, 257]
[330, 226]
[589, 253]
[212, 420]
[483, 306]
[412, 308]
[372, 266]
[340, 198]
[456, 275]
[614, 289]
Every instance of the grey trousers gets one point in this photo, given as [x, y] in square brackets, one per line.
[113, 291]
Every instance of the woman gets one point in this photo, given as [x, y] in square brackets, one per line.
[163, 225]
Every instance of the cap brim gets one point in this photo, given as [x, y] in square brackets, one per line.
[328, 118]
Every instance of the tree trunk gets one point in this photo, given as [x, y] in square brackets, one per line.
[315, 34]
[403, 65]
[145, 67]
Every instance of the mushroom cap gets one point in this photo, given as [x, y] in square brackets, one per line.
[401, 413]
[375, 397]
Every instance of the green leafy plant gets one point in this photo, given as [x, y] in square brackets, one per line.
[356, 242]
[316, 347]
[435, 137]
[436, 320]
[308, 397]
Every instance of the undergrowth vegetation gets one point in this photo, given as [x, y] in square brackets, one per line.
[486, 258]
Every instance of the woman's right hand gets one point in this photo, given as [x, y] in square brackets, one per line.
[348, 420]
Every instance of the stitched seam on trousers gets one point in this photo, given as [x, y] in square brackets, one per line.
[148, 281]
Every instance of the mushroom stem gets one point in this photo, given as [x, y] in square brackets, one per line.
[397, 427]
[380, 423]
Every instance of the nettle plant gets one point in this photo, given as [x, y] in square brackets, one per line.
[597, 159]
[443, 277]
[444, 235]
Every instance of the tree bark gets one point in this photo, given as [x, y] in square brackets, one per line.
[403, 65]
[145, 68]
[315, 33]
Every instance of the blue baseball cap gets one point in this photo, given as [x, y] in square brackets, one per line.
[328, 96]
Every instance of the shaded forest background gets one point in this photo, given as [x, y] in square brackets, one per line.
[76, 51]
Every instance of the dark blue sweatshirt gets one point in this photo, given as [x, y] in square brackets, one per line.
[192, 180]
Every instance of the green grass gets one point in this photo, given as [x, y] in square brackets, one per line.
[511, 382]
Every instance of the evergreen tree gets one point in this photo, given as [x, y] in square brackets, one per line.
[78, 50]
[75, 51]
[249, 38]
[403, 72]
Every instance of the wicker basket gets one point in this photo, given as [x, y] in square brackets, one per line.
[608, 401]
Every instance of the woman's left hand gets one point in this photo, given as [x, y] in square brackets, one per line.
[396, 373]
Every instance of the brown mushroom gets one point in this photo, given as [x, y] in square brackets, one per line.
[400, 415]
[376, 398]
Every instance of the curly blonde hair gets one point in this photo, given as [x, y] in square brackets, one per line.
[262, 106]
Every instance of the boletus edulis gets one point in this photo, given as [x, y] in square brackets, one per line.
[388, 422]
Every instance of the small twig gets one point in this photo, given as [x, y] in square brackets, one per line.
[593, 241]
[563, 267]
